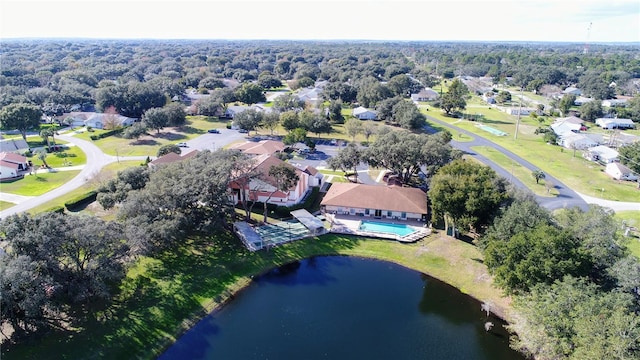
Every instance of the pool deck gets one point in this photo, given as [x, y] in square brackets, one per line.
[348, 224]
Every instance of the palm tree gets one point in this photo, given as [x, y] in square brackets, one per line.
[538, 175]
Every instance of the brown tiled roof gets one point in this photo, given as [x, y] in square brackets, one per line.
[173, 157]
[394, 198]
[261, 147]
[310, 170]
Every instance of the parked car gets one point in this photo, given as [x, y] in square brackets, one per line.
[244, 131]
[182, 144]
[213, 131]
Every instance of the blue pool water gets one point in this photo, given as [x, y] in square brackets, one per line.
[380, 227]
[492, 130]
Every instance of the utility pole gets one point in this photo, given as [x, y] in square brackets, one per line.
[515, 135]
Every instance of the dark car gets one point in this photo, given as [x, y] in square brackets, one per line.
[213, 131]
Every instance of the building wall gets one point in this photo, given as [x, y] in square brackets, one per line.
[385, 214]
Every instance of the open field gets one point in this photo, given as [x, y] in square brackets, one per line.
[148, 145]
[34, 185]
[518, 171]
[163, 296]
[581, 175]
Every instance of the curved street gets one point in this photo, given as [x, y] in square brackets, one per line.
[566, 197]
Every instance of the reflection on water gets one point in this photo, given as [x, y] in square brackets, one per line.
[345, 308]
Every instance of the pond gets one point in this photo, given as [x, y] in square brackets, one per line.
[345, 308]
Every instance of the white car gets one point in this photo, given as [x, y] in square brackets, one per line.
[182, 144]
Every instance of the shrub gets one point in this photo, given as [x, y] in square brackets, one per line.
[106, 134]
[56, 209]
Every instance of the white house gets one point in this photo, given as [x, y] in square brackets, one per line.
[572, 90]
[562, 128]
[234, 110]
[615, 123]
[96, 120]
[614, 103]
[601, 153]
[620, 172]
[426, 94]
[391, 202]
[363, 113]
[12, 164]
[580, 141]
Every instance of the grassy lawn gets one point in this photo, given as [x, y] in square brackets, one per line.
[69, 156]
[518, 171]
[5, 205]
[149, 145]
[577, 173]
[163, 296]
[106, 173]
[632, 219]
[33, 185]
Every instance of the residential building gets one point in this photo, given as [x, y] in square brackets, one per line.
[615, 123]
[426, 94]
[580, 141]
[12, 165]
[602, 154]
[263, 188]
[391, 202]
[620, 172]
[572, 90]
[259, 148]
[18, 145]
[170, 158]
[363, 113]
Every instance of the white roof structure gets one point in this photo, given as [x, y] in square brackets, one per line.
[309, 221]
[605, 153]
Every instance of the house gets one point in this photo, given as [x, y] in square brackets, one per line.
[391, 202]
[426, 94]
[17, 145]
[581, 100]
[602, 154]
[620, 172]
[572, 90]
[233, 110]
[618, 139]
[96, 120]
[614, 103]
[310, 95]
[363, 113]
[170, 158]
[269, 147]
[263, 188]
[315, 176]
[570, 120]
[580, 141]
[562, 128]
[12, 165]
[615, 123]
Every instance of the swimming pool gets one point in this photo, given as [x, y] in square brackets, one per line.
[381, 227]
[492, 130]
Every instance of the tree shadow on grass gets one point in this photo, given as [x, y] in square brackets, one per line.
[191, 130]
[149, 142]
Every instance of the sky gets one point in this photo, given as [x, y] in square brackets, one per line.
[582, 21]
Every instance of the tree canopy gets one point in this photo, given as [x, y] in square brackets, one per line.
[467, 194]
[22, 117]
[454, 98]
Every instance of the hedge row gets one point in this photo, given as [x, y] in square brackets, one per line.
[106, 134]
[81, 200]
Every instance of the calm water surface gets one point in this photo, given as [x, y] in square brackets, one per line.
[345, 308]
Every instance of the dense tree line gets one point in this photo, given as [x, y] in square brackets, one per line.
[133, 76]
[59, 268]
[576, 288]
